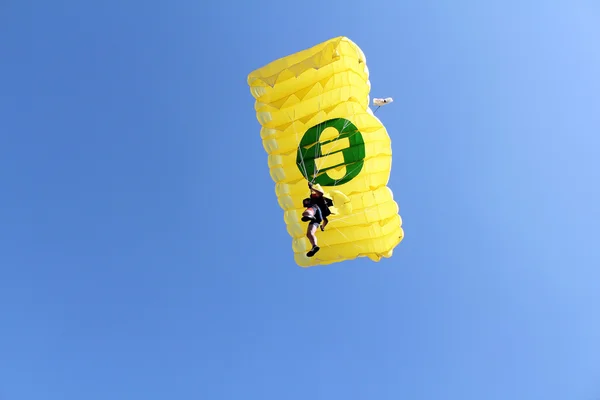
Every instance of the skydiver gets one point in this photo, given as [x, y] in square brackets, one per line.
[317, 210]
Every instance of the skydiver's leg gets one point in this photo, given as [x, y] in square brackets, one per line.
[318, 215]
[310, 233]
[325, 222]
[312, 228]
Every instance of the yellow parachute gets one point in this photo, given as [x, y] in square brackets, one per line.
[317, 127]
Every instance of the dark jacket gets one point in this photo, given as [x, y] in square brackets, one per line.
[322, 202]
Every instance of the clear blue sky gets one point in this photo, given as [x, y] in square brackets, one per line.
[133, 263]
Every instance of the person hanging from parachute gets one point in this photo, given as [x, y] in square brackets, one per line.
[316, 213]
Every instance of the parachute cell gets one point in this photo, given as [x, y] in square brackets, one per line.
[317, 127]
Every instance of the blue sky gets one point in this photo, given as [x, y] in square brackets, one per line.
[134, 265]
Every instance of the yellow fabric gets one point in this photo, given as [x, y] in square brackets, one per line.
[347, 152]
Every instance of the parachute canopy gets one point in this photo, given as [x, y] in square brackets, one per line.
[382, 102]
[317, 127]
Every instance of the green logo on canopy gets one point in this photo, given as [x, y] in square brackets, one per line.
[310, 149]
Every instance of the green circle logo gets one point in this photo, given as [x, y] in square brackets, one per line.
[310, 150]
